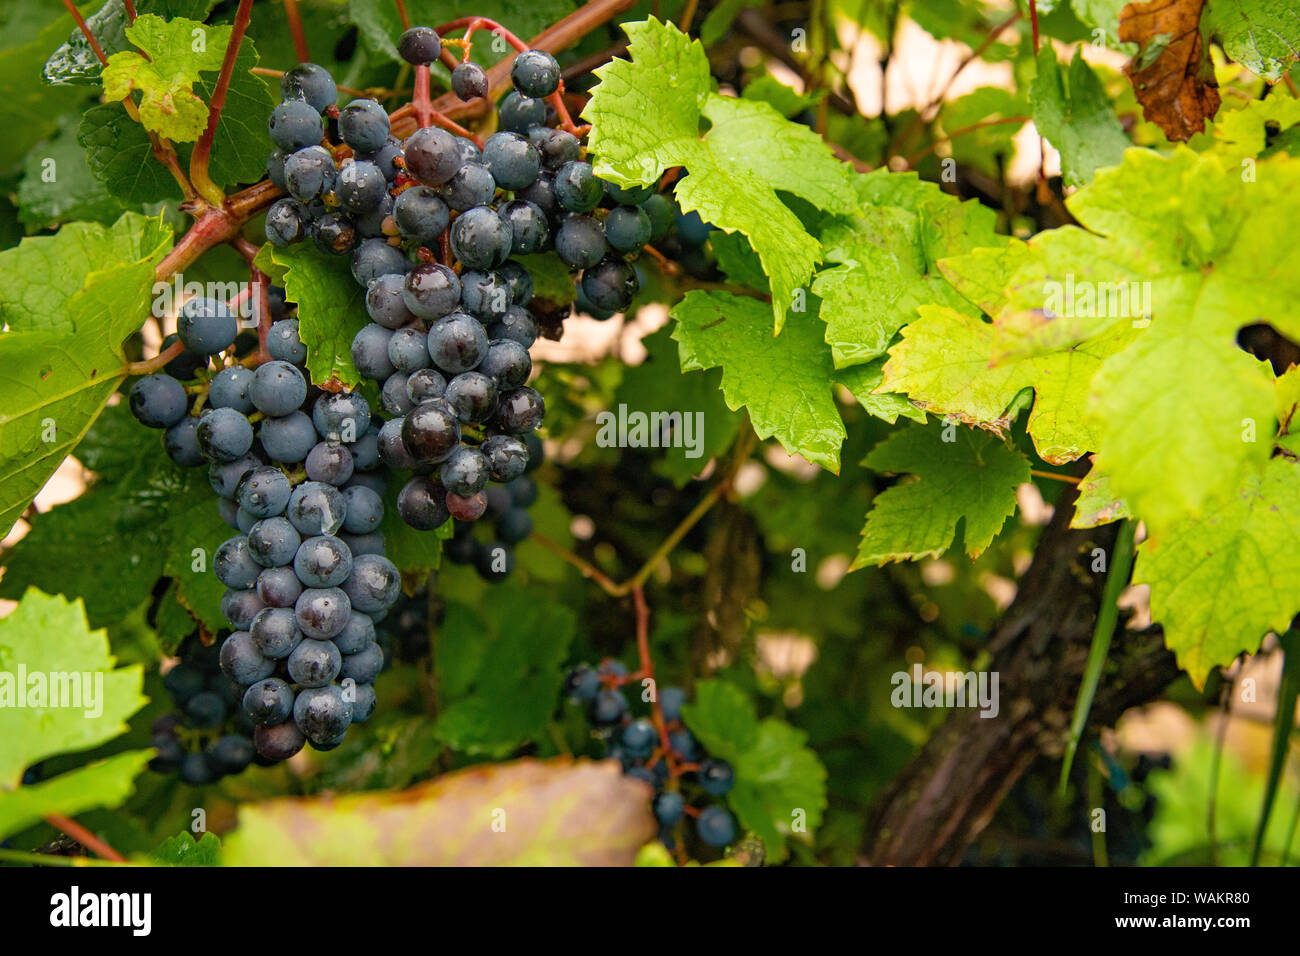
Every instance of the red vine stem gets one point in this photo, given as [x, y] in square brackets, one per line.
[423, 105]
[401, 13]
[149, 366]
[262, 301]
[83, 836]
[130, 11]
[1033, 21]
[203, 148]
[295, 27]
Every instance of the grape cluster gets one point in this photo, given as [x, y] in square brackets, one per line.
[684, 779]
[306, 576]
[435, 227]
[207, 737]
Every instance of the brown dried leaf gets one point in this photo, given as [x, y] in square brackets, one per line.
[1177, 90]
[527, 812]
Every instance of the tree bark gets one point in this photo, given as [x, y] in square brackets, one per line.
[951, 789]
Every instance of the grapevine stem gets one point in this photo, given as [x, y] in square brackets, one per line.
[684, 24]
[149, 366]
[996, 121]
[295, 27]
[378, 93]
[401, 13]
[421, 101]
[130, 11]
[83, 836]
[262, 300]
[1039, 473]
[203, 148]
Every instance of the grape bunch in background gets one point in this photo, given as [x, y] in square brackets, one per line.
[295, 471]
[207, 737]
[684, 777]
[508, 518]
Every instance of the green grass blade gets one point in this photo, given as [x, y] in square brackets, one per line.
[1283, 722]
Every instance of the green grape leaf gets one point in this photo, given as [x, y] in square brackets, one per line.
[104, 783]
[1097, 504]
[331, 311]
[646, 115]
[1247, 131]
[985, 147]
[784, 382]
[175, 51]
[120, 156]
[58, 186]
[552, 280]
[499, 670]
[780, 97]
[862, 382]
[962, 477]
[736, 258]
[659, 385]
[184, 850]
[30, 109]
[40, 275]
[241, 141]
[779, 781]
[1262, 35]
[147, 512]
[1221, 581]
[964, 385]
[524, 813]
[1104, 15]
[74, 697]
[54, 383]
[1072, 110]
[887, 261]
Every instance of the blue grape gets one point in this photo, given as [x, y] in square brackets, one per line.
[365, 509]
[480, 238]
[275, 632]
[360, 186]
[370, 351]
[322, 612]
[393, 396]
[392, 449]
[385, 158]
[514, 526]
[385, 303]
[181, 442]
[374, 258]
[420, 214]
[363, 124]
[519, 279]
[273, 542]
[608, 706]
[375, 222]
[530, 231]
[363, 703]
[158, 401]
[469, 81]
[309, 82]
[315, 508]
[277, 388]
[295, 124]
[430, 432]
[322, 561]
[555, 146]
[329, 462]
[473, 397]
[518, 325]
[224, 434]
[373, 585]
[206, 326]
[457, 343]
[419, 46]
[465, 472]
[341, 416]
[523, 493]
[715, 826]
[610, 284]
[321, 713]
[365, 450]
[517, 113]
[669, 808]
[716, 776]
[542, 194]
[314, 663]
[268, 702]
[363, 666]
[580, 241]
[470, 186]
[627, 228]
[278, 587]
[582, 683]
[507, 363]
[671, 700]
[263, 492]
[233, 565]
[334, 234]
[431, 290]
[535, 73]
[577, 188]
[432, 155]
[485, 295]
[184, 365]
[286, 223]
[520, 410]
[275, 168]
[284, 343]
[360, 544]
[288, 438]
[224, 476]
[408, 350]
[425, 384]
[309, 174]
[422, 504]
[639, 738]
[279, 742]
[507, 457]
[513, 161]
[242, 662]
[356, 633]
